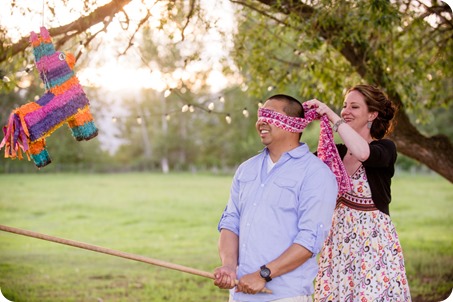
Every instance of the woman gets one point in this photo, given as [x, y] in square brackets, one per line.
[362, 259]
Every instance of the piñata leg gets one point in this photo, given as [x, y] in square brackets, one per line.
[39, 154]
[82, 125]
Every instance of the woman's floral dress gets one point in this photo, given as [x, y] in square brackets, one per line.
[362, 259]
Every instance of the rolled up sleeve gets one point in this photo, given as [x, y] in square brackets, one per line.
[230, 216]
[318, 198]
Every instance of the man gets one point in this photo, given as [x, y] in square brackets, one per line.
[278, 214]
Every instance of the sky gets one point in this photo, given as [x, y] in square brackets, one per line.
[134, 75]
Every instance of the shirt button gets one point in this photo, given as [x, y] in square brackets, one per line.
[262, 185]
[254, 204]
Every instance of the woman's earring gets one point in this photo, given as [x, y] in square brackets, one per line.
[369, 124]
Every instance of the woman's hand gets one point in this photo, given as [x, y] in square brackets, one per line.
[322, 109]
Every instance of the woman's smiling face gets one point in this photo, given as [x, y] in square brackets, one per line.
[355, 111]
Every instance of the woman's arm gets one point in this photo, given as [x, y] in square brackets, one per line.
[355, 143]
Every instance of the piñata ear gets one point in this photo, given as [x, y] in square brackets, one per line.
[44, 33]
[33, 36]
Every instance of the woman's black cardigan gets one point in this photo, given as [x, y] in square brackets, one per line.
[379, 168]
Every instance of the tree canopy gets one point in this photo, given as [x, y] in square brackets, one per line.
[310, 48]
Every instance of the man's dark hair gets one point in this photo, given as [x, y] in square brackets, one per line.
[293, 106]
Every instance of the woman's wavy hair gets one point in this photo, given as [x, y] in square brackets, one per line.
[378, 101]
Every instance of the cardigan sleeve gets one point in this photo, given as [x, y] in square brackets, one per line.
[382, 154]
[380, 168]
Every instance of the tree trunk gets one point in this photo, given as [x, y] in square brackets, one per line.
[164, 159]
[435, 152]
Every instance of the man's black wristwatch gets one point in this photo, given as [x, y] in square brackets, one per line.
[265, 273]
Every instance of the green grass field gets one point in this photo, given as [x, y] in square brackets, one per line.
[172, 218]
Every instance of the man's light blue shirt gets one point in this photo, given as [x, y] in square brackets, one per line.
[293, 203]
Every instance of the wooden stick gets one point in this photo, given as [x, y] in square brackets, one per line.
[108, 251]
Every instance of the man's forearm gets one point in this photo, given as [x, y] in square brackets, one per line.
[292, 258]
[228, 248]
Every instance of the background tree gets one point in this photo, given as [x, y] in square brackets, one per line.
[324, 46]
[317, 48]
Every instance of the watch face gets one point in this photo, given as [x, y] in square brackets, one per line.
[265, 272]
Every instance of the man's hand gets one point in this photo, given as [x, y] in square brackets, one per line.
[225, 277]
[251, 283]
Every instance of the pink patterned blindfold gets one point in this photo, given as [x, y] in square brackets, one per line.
[288, 123]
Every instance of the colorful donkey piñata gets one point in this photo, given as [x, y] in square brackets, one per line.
[63, 102]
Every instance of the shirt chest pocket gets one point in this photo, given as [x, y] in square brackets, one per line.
[246, 187]
[284, 193]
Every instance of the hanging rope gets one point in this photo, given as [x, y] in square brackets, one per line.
[43, 8]
[108, 251]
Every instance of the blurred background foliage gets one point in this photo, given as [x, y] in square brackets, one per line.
[303, 49]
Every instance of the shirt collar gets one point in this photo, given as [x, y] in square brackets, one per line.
[297, 152]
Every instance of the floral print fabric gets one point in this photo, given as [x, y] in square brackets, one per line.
[362, 259]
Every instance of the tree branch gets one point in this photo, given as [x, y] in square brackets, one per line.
[74, 28]
[142, 22]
